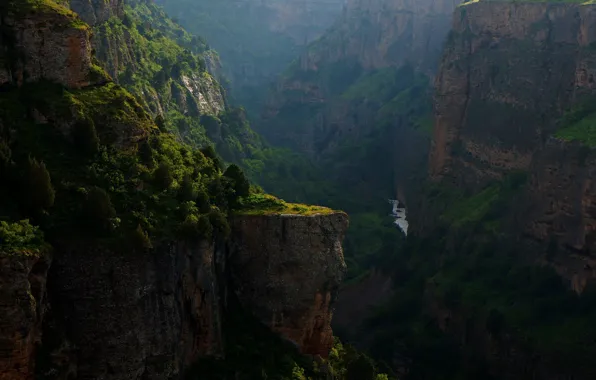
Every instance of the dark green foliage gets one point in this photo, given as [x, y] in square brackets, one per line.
[163, 177]
[210, 153]
[202, 202]
[212, 126]
[98, 211]
[240, 183]
[187, 191]
[196, 228]
[140, 239]
[146, 154]
[5, 155]
[362, 368]
[20, 237]
[220, 224]
[495, 322]
[85, 137]
[161, 124]
[37, 193]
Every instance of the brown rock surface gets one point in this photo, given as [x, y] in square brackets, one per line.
[132, 315]
[286, 270]
[508, 71]
[42, 43]
[97, 11]
[22, 307]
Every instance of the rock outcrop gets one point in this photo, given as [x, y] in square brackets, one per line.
[509, 70]
[120, 51]
[286, 269]
[22, 307]
[131, 315]
[97, 11]
[39, 42]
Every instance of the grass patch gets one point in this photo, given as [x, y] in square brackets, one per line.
[472, 209]
[583, 131]
[265, 204]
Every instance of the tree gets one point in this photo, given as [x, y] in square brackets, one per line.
[140, 239]
[209, 152]
[240, 183]
[161, 123]
[98, 212]
[187, 192]
[37, 191]
[220, 223]
[362, 368]
[85, 137]
[163, 176]
[146, 154]
[202, 202]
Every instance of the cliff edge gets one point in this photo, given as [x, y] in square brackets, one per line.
[286, 269]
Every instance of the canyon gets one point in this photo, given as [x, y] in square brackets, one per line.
[477, 118]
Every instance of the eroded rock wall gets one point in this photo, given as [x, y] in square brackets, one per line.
[509, 70]
[39, 43]
[131, 315]
[286, 270]
[23, 304]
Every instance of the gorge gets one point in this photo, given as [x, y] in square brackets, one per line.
[140, 146]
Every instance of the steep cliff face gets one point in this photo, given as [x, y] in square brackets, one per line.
[286, 270]
[124, 50]
[97, 11]
[328, 86]
[23, 303]
[128, 295]
[559, 209]
[117, 315]
[256, 39]
[39, 43]
[508, 72]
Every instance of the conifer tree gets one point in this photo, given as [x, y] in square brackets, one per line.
[38, 192]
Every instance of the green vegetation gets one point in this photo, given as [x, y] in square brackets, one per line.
[254, 352]
[265, 204]
[114, 192]
[164, 66]
[583, 131]
[20, 7]
[20, 237]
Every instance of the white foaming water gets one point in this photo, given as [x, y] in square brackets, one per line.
[398, 211]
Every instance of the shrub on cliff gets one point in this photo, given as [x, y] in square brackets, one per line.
[37, 191]
[20, 236]
[163, 176]
[220, 224]
[85, 137]
[187, 191]
[240, 183]
[98, 211]
[196, 227]
[140, 239]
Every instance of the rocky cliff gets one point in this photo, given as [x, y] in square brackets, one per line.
[137, 284]
[256, 39]
[332, 92]
[23, 304]
[40, 43]
[287, 270]
[511, 92]
[95, 12]
[508, 72]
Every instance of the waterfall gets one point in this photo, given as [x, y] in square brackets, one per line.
[398, 211]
